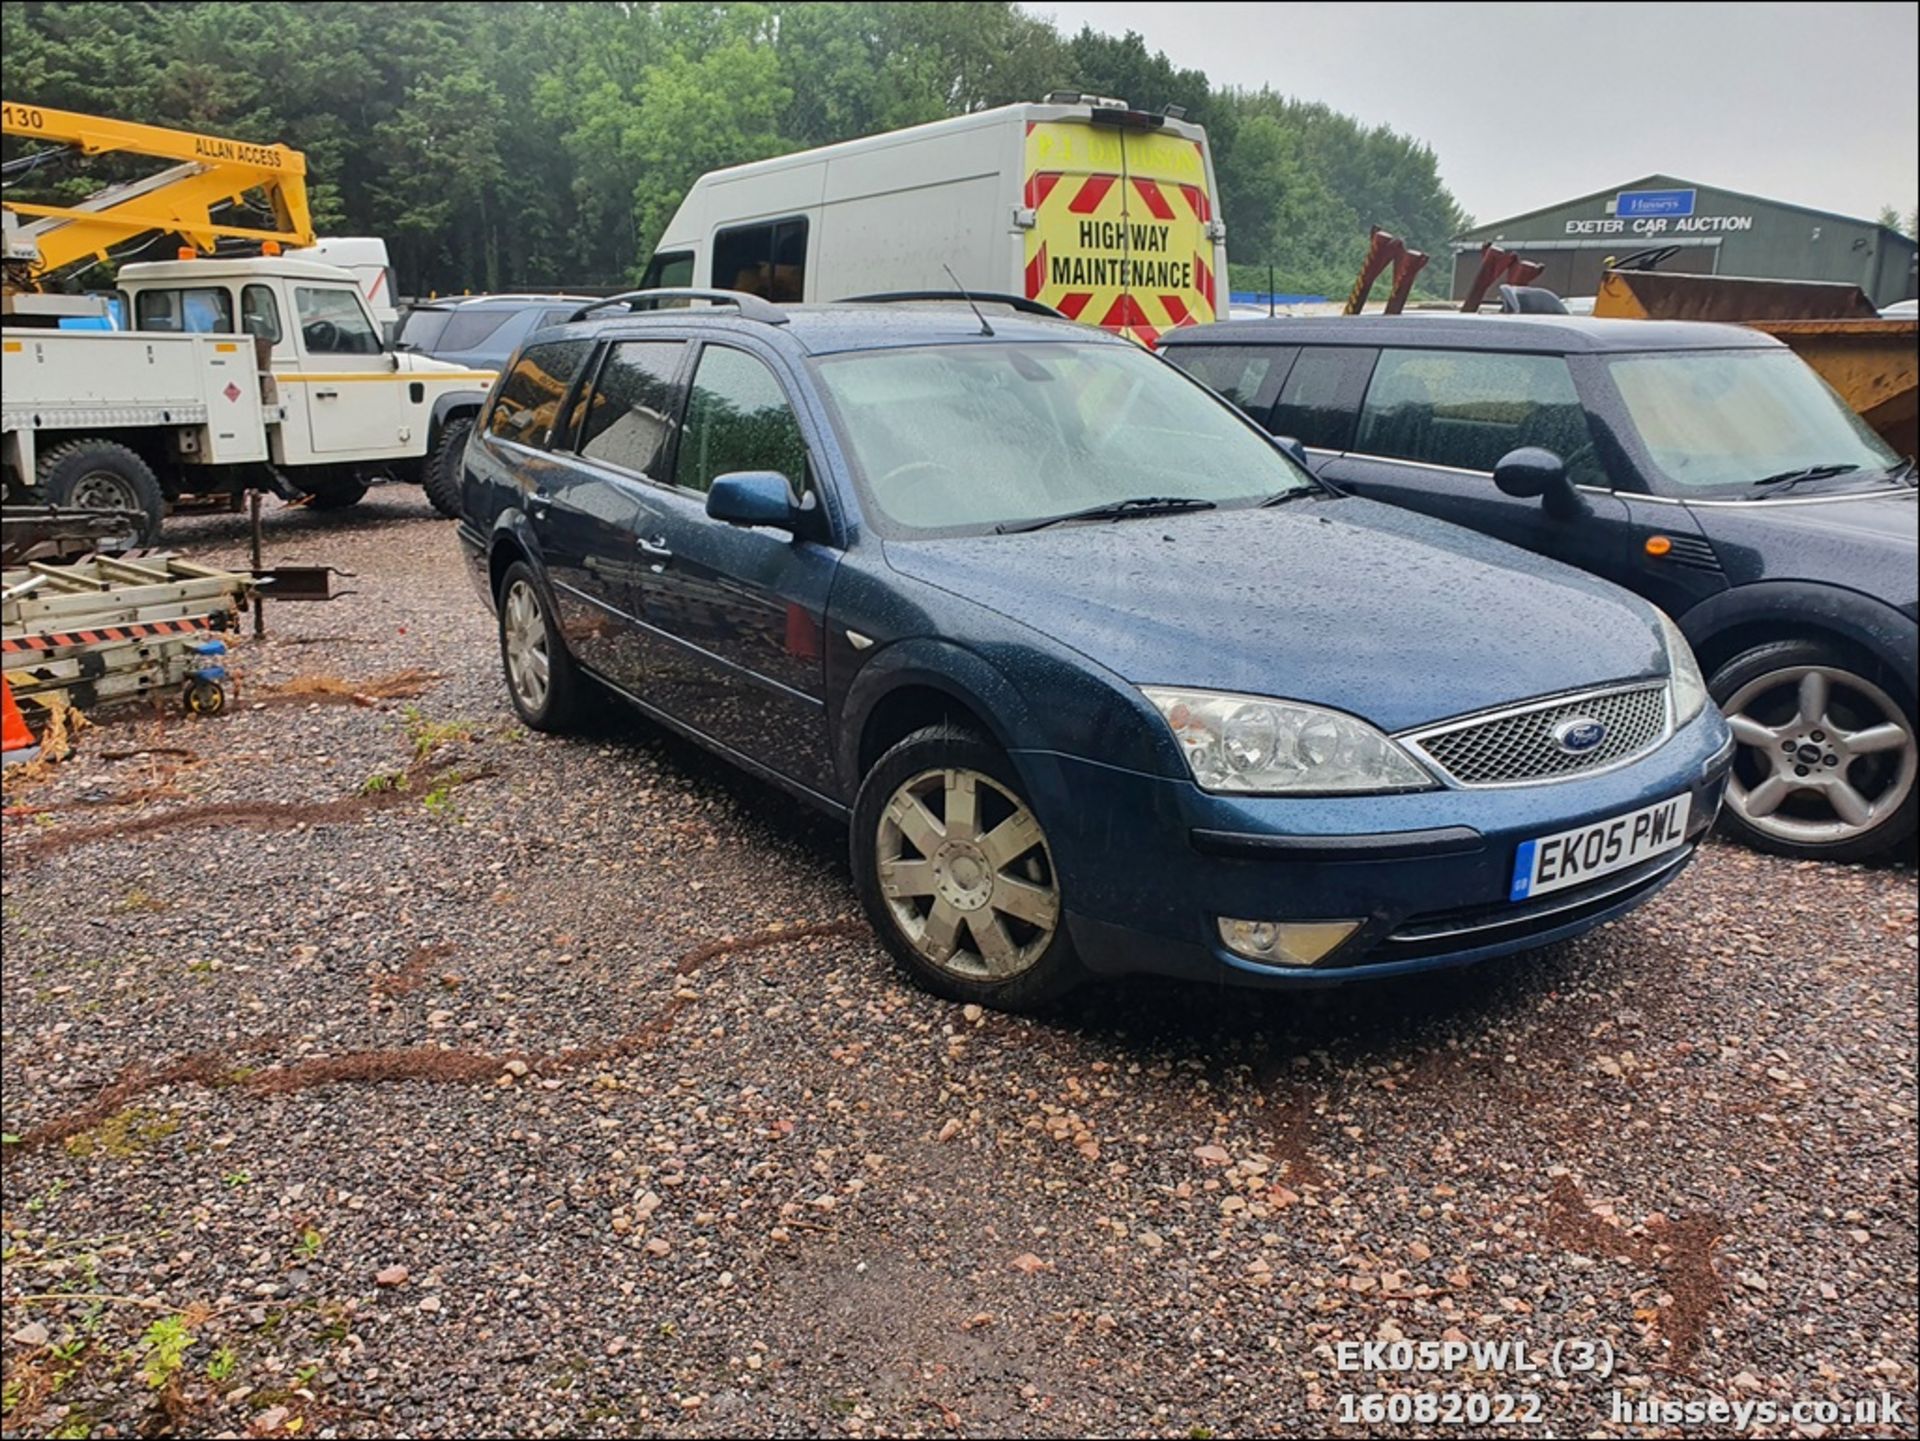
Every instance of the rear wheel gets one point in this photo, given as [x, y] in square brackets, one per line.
[103, 475]
[542, 680]
[446, 466]
[955, 873]
[1827, 757]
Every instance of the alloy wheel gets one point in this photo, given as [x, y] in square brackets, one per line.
[965, 870]
[529, 667]
[1825, 755]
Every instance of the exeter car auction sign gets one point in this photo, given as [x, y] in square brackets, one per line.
[1657, 212]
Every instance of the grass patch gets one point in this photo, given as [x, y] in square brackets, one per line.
[123, 1134]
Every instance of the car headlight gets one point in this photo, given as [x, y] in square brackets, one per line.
[1247, 745]
[1683, 674]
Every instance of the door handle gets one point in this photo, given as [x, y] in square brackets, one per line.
[655, 549]
[326, 395]
[539, 504]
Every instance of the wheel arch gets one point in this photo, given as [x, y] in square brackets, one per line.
[451, 406]
[920, 683]
[1734, 621]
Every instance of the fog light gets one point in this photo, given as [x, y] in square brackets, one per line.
[1284, 943]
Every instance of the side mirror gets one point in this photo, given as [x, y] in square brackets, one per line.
[1531, 472]
[754, 497]
[1293, 450]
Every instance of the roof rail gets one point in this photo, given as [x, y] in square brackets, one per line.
[959, 297]
[751, 307]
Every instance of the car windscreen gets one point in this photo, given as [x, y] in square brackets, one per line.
[961, 438]
[1721, 420]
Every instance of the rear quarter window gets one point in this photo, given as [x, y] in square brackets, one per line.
[1248, 375]
[529, 400]
[1322, 393]
[469, 329]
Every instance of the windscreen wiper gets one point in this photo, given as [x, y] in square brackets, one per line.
[1806, 472]
[1298, 492]
[1112, 510]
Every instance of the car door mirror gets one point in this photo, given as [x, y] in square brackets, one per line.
[754, 497]
[1530, 472]
[1293, 450]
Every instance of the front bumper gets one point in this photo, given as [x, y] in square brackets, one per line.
[1149, 864]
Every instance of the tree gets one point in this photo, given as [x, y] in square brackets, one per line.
[547, 144]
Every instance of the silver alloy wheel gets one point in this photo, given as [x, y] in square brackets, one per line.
[103, 490]
[525, 629]
[1829, 755]
[965, 869]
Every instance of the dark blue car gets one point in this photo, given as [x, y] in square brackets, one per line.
[1101, 679]
[1705, 466]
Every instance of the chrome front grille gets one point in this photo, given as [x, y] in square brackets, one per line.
[1518, 745]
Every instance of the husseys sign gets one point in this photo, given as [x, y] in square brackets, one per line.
[1119, 236]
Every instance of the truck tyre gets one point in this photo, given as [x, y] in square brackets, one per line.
[336, 494]
[446, 465]
[103, 475]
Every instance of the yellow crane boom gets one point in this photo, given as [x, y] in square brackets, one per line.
[209, 173]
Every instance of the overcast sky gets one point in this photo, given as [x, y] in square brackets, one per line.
[1527, 105]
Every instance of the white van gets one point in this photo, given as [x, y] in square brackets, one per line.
[1106, 213]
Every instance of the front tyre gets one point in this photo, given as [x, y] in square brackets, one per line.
[1827, 757]
[956, 875]
[542, 680]
[446, 467]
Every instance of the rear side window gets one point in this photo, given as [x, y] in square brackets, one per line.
[1466, 409]
[738, 419]
[470, 329]
[628, 420]
[765, 260]
[1322, 392]
[530, 396]
[1248, 375]
[423, 327]
[260, 313]
[202, 310]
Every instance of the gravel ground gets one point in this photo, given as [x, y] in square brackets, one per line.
[444, 1079]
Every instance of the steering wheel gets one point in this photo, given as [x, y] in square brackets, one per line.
[321, 335]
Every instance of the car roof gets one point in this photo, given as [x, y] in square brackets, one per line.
[833, 328]
[1562, 334]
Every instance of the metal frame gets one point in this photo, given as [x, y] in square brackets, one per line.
[1019, 303]
[751, 307]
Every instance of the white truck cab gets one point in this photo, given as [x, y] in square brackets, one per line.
[366, 256]
[264, 372]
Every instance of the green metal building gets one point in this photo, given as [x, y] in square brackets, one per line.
[1718, 232]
